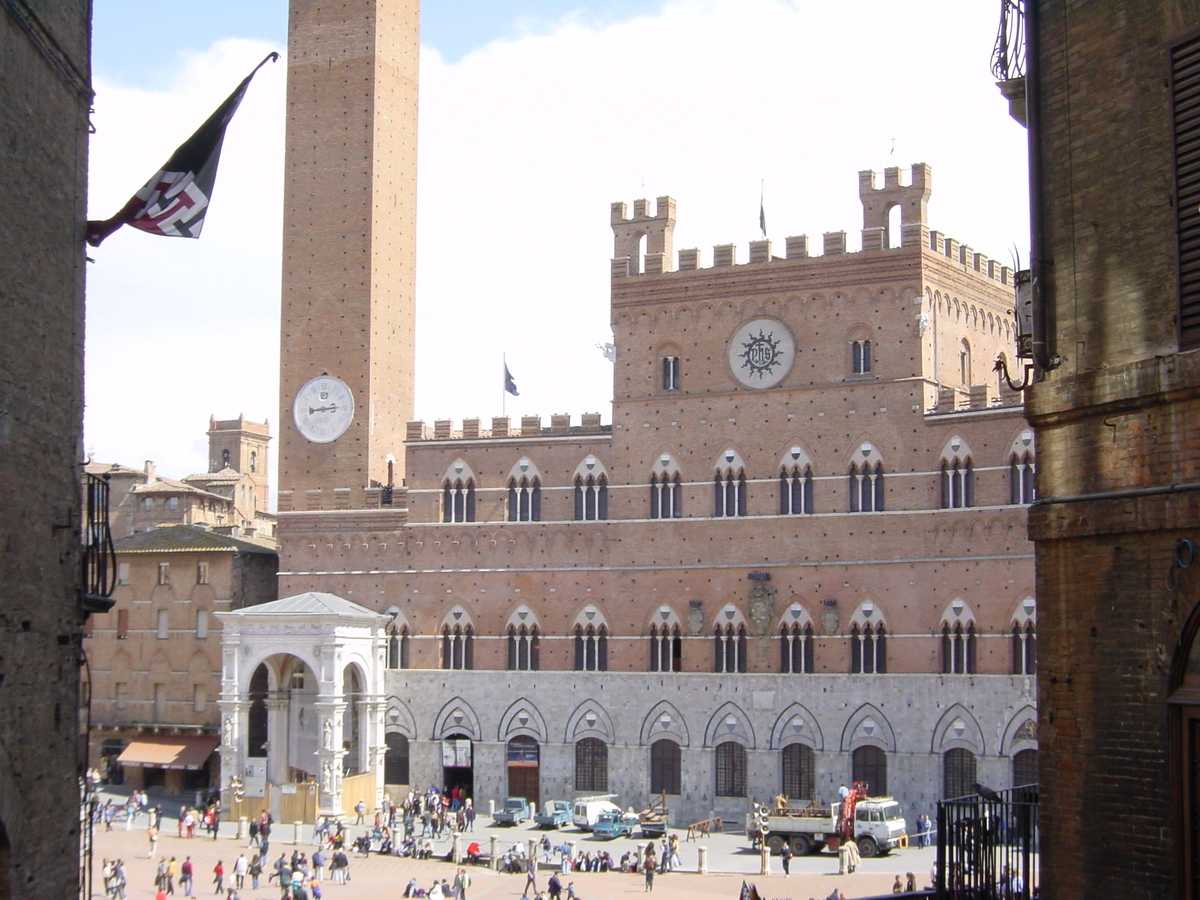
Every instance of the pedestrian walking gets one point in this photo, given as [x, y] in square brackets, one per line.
[187, 873]
[649, 864]
[785, 856]
[531, 876]
[219, 877]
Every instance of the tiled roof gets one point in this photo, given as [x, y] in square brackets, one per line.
[312, 603]
[98, 468]
[188, 538]
[170, 486]
[225, 476]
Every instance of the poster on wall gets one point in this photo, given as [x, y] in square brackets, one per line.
[456, 753]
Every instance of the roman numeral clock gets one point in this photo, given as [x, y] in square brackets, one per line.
[323, 409]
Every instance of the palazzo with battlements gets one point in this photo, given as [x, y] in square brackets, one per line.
[792, 555]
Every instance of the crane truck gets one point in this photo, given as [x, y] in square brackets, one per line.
[875, 823]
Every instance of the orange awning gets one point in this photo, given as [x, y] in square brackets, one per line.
[171, 752]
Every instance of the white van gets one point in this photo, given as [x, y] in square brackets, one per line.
[588, 809]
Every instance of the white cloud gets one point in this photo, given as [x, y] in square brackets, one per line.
[524, 144]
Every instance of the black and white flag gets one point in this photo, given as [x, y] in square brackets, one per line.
[174, 201]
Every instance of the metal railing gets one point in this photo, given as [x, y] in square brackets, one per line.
[1008, 57]
[987, 849]
[99, 558]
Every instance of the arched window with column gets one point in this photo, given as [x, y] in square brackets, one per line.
[591, 498]
[458, 650]
[591, 648]
[729, 648]
[796, 648]
[666, 647]
[524, 648]
[458, 500]
[666, 496]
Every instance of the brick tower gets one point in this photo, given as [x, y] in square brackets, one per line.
[349, 239]
[241, 445]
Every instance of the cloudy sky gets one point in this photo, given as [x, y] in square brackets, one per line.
[535, 115]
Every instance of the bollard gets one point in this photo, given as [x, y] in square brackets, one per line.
[242, 829]
[491, 807]
[455, 850]
[765, 866]
[531, 847]
[493, 856]
[296, 833]
[532, 810]
[702, 865]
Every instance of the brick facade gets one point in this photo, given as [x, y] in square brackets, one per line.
[1119, 457]
[45, 95]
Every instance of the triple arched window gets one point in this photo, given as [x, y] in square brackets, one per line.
[1021, 471]
[397, 654]
[795, 491]
[458, 650]
[729, 495]
[666, 648]
[958, 483]
[868, 649]
[958, 649]
[666, 496]
[796, 648]
[729, 649]
[524, 645]
[458, 500]
[866, 487]
[591, 498]
[525, 499]
[591, 648]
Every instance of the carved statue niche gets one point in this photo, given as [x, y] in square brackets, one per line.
[762, 607]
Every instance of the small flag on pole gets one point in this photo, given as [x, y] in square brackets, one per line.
[175, 200]
[762, 214]
[509, 384]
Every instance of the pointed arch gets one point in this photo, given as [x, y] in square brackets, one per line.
[729, 722]
[522, 718]
[1020, 731]
[589, 719]
[957, 728]
[797, 724]
[664, 720]
[456, 716]
[868, 726]
[398, 716]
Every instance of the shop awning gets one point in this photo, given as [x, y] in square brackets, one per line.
[168, 752]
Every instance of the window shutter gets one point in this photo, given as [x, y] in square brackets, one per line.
[1185, 116]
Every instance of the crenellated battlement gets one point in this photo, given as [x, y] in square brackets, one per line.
[506, 427]
[878, 201]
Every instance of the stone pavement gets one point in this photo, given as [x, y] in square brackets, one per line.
[729, 860]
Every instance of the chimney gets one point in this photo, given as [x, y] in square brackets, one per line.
[150, 476]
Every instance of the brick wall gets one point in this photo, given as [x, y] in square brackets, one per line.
[42, 201]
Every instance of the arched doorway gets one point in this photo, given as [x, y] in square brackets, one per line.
[1184, 703]
[457, 764]
[523, 781]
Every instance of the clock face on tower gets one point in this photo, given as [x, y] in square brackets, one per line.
[761, 353]
[323, 409]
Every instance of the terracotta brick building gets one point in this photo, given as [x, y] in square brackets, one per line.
[793, 556]
[155, 660]
[1112, 100]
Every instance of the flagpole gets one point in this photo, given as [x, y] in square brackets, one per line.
[504, 386]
